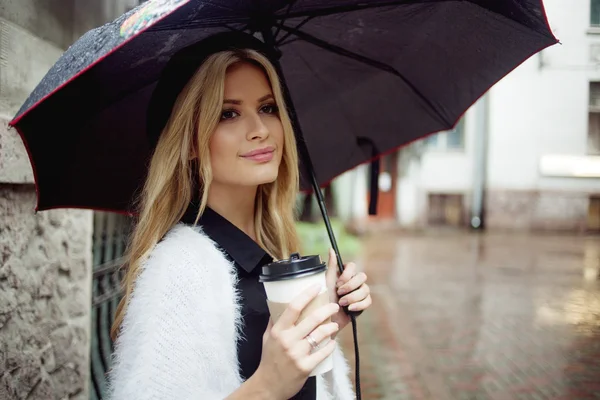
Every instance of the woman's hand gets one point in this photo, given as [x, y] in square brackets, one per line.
[287, 355]
[349, 289]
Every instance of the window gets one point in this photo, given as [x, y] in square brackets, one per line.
[453, 139]
[432, 140]
[593, 142]
[595, 13]
[445, 209]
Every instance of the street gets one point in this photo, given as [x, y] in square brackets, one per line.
[467, 316]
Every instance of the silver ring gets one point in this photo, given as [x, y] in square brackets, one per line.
[312, 342]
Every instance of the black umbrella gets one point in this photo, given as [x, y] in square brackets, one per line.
[364, 77]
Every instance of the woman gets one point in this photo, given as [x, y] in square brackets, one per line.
[217, 205]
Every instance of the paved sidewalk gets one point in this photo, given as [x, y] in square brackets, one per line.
[480, 317]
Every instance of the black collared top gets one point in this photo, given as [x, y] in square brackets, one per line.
[248, 258]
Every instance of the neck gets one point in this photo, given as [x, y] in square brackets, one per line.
[236, 204]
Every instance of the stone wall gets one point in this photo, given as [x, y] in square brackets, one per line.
[45, 258]
[45, 299]
[549, 211]
[528, 211]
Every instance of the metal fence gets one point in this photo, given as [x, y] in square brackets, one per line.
[109, 241]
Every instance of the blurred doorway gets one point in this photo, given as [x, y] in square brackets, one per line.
[445, 210]
[388, 176]
[593, 218]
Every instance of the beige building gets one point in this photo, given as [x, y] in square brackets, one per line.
[526, 157]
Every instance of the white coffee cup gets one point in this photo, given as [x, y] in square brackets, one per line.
[286, 279]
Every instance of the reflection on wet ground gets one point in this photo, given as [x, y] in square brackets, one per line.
[467, 316]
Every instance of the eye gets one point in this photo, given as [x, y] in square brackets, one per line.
[269, 109]
[228, 114]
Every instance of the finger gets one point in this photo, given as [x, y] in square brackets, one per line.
[349, 272]
[311, 362]
[361, 305]
[319, 335]
[355, 296]
[268, 330]
[332, 268]
[314, 319]
[332, 258]
[292, 312]
[355, 282]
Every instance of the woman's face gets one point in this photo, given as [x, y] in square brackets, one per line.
[247, 145]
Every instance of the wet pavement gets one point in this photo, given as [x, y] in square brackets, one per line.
[467, 316]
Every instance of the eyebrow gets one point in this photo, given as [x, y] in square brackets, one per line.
[238, 102]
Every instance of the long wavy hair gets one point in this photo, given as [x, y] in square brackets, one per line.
[173, 177]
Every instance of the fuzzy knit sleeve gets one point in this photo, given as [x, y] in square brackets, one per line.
[178, 338]
[336, 384]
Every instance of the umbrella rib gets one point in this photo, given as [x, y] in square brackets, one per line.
[289, 41]
[231, 28]
[324, 82]
[218, 5]
[348, 8]
[287, 14]
[196, 24]
[367, 61]
[297, 27]
[366, 5]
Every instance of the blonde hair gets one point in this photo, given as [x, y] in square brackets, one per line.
[170, 184]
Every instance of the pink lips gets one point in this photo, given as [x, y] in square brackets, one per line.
[260, 155]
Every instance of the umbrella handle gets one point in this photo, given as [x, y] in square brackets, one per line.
[323, 209]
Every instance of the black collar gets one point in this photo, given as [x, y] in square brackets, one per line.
[240, 247]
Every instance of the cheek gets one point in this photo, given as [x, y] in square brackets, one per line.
[222, 151]
[214, 146]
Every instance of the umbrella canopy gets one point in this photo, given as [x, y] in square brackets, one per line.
[364, 79]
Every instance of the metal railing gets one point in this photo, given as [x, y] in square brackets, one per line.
[110, 236]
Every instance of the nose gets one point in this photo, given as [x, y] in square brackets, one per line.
[257, 129]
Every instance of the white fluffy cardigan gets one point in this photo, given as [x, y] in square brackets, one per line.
[178, 338]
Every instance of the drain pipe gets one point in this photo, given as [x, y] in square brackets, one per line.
[480, 151]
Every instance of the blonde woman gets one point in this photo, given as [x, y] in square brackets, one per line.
[217, 205]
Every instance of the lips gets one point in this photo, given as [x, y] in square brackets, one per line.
[264, 150]
[260, 155]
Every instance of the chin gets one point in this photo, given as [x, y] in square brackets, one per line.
[261, 177]
[261, 180]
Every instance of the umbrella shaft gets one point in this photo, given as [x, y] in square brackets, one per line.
[323, 208]
[303, 149]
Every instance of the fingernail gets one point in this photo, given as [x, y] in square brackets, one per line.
[343, 302]
[341, 292]
[338, 284]
[352, 307]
